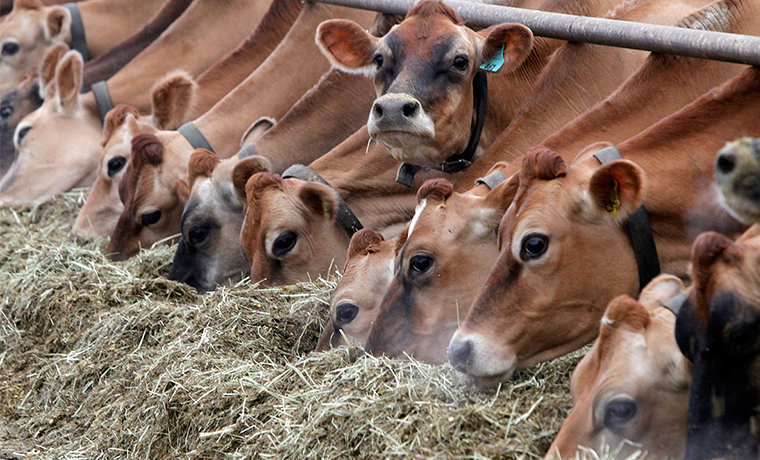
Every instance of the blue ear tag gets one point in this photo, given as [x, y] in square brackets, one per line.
[495, 64]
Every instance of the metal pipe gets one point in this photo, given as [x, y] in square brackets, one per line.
[719, 46]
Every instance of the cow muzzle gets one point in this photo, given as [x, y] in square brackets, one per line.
[397, 119]
[485, 363]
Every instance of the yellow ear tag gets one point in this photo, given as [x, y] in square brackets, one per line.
[613, 205]
[326, 210]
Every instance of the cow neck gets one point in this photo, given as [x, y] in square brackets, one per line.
[345, 217]
[639, 230]
[459, 162]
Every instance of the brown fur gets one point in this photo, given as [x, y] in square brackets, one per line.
[28, 5]
[427, 8]
[49, 64]
[243, 171]
[707, 249]
[173, 98]
[365, 241]
[320, 199]
[146, 150]
[202, 164]
[437, 189]
[542, 164]
[346, 41]
[115, 118]
[68, 76]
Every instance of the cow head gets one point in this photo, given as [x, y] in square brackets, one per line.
[718, 329]
[737, 175]
[25, 34]
[281, 222]
[450, 249]
[14, 106]
[423, 70]
[208, 253]
[153, 196]
[42, 168]
[633, 385]
[564, 256]
[170, 101]
[356, 298]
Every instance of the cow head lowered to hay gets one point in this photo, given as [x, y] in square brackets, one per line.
[355, 300]
[631, 390]
[718, 329]
[424, 70]
[450, 248]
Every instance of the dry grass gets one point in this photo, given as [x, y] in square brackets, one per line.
[111, 360]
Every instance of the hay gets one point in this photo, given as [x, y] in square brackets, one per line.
[112, 360]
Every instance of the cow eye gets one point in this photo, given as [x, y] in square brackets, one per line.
[10, 48]
[378, 60]
[461, 63]
[196, 235]
[115, 164]
[420, 264]
[22, 133]
[619, 412]
[284, 243]
[150, 218]
[345, 313]
[6, 112]
[533, 246]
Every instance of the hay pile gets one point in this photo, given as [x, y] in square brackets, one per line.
[111, 360]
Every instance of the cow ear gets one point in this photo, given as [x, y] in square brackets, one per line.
[202, 163]
[319, 199]
[47, 69]
[438, 189]
[244, 170]
[172, 99]
[115, 118]
[347, 46]
[68, 80]
[660, 290]
[516, 39]
[363, 242]
[58, 23]
[182, 189]
[256, 130]
[623, 310]
[618, 188]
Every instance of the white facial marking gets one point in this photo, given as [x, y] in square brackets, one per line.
[417, 212]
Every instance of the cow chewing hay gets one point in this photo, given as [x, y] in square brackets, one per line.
[112, 360]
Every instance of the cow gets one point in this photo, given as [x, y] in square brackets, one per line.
[550, 268]
[31, 28]
[737, 176]
[355, 300]
[631, 390]
[450, 247]
[718, 329]
[226, 122]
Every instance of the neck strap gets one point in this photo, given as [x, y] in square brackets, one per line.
[639, 230]
[461, 161]
[194, 136]
[78, 37]
[102, 99]
[345, 217]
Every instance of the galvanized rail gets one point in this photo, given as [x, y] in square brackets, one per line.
[719, 46]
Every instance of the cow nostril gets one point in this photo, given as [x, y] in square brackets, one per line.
[410, 108]
[459, 352]
[726, 163]
[378, 110]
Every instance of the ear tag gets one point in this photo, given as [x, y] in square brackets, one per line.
[496, 62]
[613, 205]
[326, 210]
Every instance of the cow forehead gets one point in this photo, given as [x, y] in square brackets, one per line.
[427, 38]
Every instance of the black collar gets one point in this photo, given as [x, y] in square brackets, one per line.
[639, 230]
[345, 217]
[462, 161]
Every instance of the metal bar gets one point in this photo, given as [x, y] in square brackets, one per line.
[719, 46]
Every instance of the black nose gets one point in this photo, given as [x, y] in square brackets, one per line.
[726, 163]
[459, 353]
[395, 107]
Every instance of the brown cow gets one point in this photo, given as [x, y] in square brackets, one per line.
[355, 300]
[550, 268]
[31, 28]
[718, 329]
[737, 175]
[450, 249]
[633, 385]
